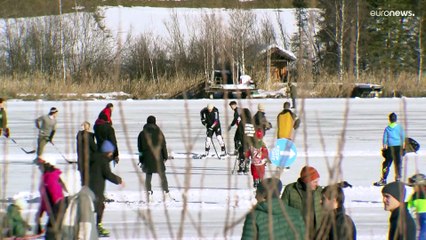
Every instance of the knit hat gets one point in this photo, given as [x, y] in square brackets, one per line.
[210, 106]
[261, 107]
[48, 160]
[286, 105]
[107, 146]
[20, 202]
[151, 119]
[309, 174]
[396, 189]
[393, 117]
[270, 184]
[53, 110]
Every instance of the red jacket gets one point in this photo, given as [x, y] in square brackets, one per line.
[258, 156]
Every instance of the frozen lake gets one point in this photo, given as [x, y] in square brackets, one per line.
[215, 200]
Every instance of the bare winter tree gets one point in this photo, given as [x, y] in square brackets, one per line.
[177, 41]
[241, 30]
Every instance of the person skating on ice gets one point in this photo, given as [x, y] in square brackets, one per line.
[104, 131]
[46, 125]
[99, 173]
[235, 121]
[210, 119]
[257, 154]
[393, 146]
[245, 137]
[153, 154]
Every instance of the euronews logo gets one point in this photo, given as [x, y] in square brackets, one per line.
[392, 13]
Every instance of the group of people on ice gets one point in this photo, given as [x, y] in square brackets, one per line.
[304, 210]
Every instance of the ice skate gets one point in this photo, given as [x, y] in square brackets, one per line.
[379, 183]
[102, 232]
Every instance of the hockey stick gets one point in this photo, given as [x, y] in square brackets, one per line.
[23, 149]
[214, 147]
[235, 165]
[62, 155]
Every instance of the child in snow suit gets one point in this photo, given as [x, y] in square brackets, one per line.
[14, 224]
[393, 145]
[52, 198]
[417, 201]
[258, 155]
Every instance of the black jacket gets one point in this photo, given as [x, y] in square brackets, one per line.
[210, 119]
[100, 171]
[236, 119]
[336, 225]
[245, 130]
[260, 122]
[401, 225]
[105, 132]
[152, 149]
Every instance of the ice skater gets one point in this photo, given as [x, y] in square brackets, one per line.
[153, 154]
[46, 125]
[393, 145]
[210, 119]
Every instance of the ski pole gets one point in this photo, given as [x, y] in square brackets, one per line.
[62, 155]
[23, 149]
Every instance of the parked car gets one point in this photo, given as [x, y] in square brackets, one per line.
[367, 90]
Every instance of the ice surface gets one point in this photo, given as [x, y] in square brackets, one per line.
[208, 197]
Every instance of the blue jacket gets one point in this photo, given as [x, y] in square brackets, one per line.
[394, 135]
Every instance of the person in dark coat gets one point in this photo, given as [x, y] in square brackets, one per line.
[235, 121]
[260, 121]
[152, 155]
[401, 223]
[245, 138]
[86, 146]
[99, 172]
[305, 195]
[3, 120]
[336, 225]
[271, 218]
[210, 119]
[104, 131]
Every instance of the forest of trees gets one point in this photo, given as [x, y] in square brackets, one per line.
[343, 38]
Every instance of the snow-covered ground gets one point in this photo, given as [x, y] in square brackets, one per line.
[210, 201]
